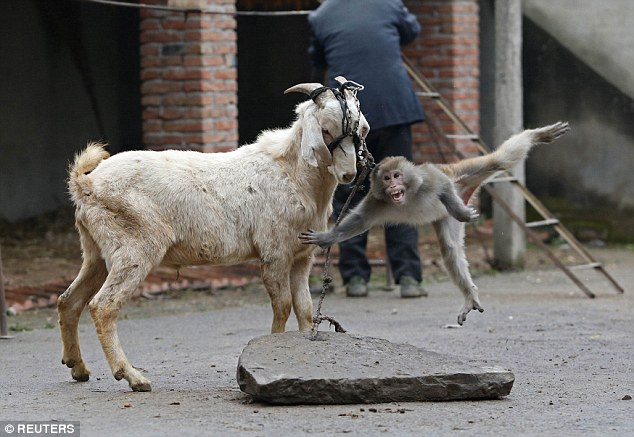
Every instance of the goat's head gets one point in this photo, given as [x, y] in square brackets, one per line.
[327, 131]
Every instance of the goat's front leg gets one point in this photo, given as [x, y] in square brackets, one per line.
[276, 278]
[120, 284]
[302, 302]
[451, 239]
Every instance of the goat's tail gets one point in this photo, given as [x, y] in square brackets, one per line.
[79, 184]
[470, 173]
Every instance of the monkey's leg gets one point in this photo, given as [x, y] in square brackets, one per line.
[456, 208]
[451, 238]
[548, 134]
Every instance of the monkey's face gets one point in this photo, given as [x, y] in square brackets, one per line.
[394, 185]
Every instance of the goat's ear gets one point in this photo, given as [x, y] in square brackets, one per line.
[313, 144]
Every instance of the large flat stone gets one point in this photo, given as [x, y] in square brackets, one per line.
[290, 368]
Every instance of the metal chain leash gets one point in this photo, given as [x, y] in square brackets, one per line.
[365, 162]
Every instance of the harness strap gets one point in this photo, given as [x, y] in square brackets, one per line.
[348, 128]
[317, 91]
[365, 162]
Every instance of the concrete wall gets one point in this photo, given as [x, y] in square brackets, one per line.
[69, 74]
[573, 70]
[599, 33]
[586, 178]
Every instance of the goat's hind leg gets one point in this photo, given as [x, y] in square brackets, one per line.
[123, 279]
[451, 239]
[71, 304]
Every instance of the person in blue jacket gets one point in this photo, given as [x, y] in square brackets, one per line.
[361, 40]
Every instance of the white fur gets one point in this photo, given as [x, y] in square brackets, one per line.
[139, 209]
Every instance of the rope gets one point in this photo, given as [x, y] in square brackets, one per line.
[195, 10]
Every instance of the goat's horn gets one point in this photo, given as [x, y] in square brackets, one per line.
[305, 88]
[341, 80]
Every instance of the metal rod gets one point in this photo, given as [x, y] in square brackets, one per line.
[585, 266]
[426, 86]
[472, 137]
[546, 222]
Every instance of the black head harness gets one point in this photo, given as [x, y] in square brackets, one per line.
[349, 127]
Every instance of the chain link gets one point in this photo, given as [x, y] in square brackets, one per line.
[365, 162]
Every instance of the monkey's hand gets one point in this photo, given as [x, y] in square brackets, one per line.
[468, 214]
[321, 239]
[472, 302]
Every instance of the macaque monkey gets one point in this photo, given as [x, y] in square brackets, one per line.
[401, 192]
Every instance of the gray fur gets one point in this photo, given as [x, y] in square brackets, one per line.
[436, 195]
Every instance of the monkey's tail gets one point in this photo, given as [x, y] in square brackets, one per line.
[79, 183]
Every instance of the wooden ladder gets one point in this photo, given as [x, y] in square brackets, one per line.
[429, 92]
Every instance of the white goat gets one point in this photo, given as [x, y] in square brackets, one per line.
[139, 209]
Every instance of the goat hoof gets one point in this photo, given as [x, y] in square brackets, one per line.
[80, 373]
[81, 378]
[69, 363]
[141, 386]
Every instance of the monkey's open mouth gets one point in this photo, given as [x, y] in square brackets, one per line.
[398, 196]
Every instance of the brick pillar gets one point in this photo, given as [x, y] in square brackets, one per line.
[447, 53]
[189, 78]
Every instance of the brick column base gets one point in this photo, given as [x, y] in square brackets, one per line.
[189, 78]
[447, 53]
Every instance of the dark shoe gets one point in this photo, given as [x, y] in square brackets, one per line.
[356, 287]
[410, 287]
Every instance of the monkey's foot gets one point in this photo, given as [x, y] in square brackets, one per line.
[474, 214]
[471, 303]
[548, 134]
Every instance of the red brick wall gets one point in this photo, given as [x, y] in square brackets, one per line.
[189, 75]
[189, 78]
[447, 53]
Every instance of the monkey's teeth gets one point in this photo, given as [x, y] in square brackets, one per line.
[398, 196]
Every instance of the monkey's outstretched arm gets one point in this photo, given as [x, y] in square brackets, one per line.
[357, 222]
[451, 238]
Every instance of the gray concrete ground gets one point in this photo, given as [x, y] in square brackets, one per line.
[572, 358]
